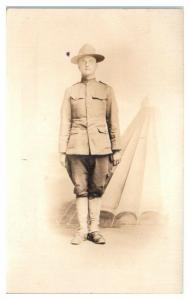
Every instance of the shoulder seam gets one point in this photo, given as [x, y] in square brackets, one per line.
[103, 82]
[76, 83]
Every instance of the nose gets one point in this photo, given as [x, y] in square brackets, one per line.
[86, 63]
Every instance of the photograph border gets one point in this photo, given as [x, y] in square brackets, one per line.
[94, 4]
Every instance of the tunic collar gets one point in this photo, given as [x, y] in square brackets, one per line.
[83, 80]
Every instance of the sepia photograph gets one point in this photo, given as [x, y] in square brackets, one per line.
[95, 150]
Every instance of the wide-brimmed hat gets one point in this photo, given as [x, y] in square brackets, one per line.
[85, 50]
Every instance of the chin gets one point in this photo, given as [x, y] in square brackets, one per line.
[87, 73]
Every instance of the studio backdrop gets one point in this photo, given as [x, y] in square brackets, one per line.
[143, 51]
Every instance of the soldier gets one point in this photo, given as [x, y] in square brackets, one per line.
[89, 137]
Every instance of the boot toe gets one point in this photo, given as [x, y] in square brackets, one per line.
[96, 237]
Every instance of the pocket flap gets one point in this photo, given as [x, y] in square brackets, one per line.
[76, 98]
[98, 98]
[102, 129]
[99, 95]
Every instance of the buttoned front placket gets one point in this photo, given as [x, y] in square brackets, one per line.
[90, 111]
[86, 106]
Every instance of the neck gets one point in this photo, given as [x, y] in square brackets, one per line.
[88, 77]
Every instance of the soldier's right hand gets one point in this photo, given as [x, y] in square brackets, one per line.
[62, 159]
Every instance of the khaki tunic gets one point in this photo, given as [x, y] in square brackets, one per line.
[89, 120]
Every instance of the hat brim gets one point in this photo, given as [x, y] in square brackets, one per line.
[98, 57]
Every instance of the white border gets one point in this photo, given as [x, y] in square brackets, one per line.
[58, 3]
[94, 3]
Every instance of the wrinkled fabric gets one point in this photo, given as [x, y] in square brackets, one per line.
[89, 120]
[89, 174]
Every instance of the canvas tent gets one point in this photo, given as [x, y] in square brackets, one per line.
[133, 189]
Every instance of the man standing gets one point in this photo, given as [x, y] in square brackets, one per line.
[89, 137]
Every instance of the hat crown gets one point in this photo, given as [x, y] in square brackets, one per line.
[87, 49]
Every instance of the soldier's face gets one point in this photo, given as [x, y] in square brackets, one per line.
[87, 65]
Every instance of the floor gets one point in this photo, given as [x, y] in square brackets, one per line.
[143, 258]
[135, 259]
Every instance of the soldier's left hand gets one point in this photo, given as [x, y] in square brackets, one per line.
[116, 157]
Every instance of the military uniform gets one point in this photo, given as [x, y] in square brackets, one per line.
[89, 127]
[89, 120]
[89, 133]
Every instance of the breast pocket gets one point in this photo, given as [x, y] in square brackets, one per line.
[99, 94]
[99, 103]
[77, 107]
